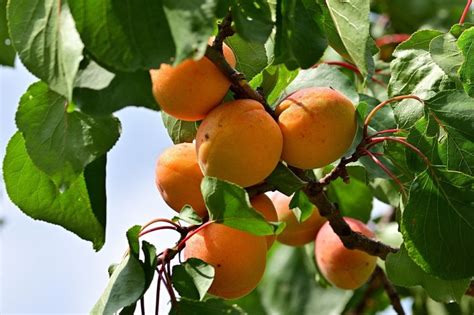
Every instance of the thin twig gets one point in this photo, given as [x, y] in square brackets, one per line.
[465, 12]
[391, 292]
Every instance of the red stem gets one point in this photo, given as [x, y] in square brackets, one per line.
[156, 229]
[386, 131]
[465, 12]
[351, 67]
[183, 242]
[386, 170]
[391, 39]
[160, 220]
[403, 141]
[378, 107]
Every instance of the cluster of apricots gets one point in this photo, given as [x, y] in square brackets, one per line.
[240, 142]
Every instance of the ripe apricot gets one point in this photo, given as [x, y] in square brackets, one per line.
[238, 257]
[238, 141]
[345, 268]
[265, 206]
[178, 178]
[318, 126]
[295, 233]
[191, 89]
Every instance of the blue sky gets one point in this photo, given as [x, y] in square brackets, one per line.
[48, 270]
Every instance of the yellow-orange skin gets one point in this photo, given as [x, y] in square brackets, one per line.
[345, 268]
[238, 258]
[178, 178]
[265, 206]
[295, 233]
[191, 89]
[318, 126]
[239, 142]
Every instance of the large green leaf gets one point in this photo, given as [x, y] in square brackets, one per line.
[301, 206]
[351, 19]
[48, 44]
[7, 53]
[193, 278]
[253, 19]
[179, 130]
[402, 271]
[125, 35]
[466, 44]
[191, 24]
[61, 142]
[323, 76]
[251, 57]
[92, 76]
[125, 89]
[130, 279]
[208, 307]
[415, 72]
[446, 54]
[438, 223]
[229, 204]
[299, 38]
[79, 209]
[289, 286]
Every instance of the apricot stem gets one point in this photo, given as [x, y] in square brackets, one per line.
[160, 220]
[183, 241]
[386, 131]
[379, 106]
[351, 67]
[465, 12]
[386, 170]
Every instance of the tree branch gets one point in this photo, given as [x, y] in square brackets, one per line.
[314, 190]
[391, 291]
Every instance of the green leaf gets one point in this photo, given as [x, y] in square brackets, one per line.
[402, 271]
[209, 307]
[458, 29]
[92, 76]
[251, 57]
[438, 223]
[38, 197]
[188, 215]
[273, 80]
[229, 204]
[415, 72]
[448, 137]
[251, 303]
[289, 286]
[299, 38]
[351, 19]
[130, 279]
[385, 119]
[354, 198]
[253, 19]
[179, 130]
[446, 54]
[7, 53]
[95, 177]
[301, 206]
[126, 88]
[191, 24]
[466, 44]
[59, 141]
[48, 45]
[138, 28]
[323, 76]
[284, 180]
[193, 278]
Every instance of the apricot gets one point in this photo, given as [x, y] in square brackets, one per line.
[265, 206]
[318, 126]
[295, 233]
[345, 268]
[178, 178]
[239, 142]
[238, 257]
[191, 89]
